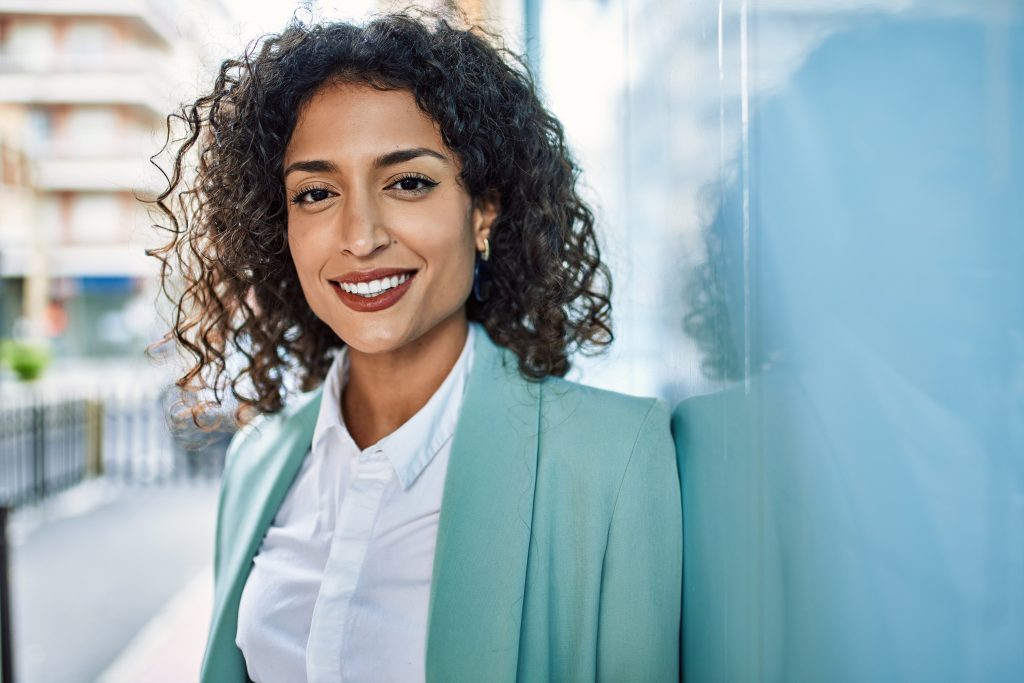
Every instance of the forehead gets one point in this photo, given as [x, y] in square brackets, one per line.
[348, 121]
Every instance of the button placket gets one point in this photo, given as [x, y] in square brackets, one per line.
[353, 531]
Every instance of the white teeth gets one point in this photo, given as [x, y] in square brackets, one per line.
[373, 287]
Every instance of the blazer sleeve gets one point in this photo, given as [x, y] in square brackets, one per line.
[641, 583]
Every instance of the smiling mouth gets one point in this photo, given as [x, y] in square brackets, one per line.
[374, 288]
[365, 293]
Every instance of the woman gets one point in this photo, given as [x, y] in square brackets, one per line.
[387, 216]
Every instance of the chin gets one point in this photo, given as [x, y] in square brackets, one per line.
[373, 338]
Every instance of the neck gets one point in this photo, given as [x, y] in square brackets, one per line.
[384, 390]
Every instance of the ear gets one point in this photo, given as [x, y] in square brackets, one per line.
[485, 209]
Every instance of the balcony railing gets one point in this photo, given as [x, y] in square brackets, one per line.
[155, 17]
[119, 61]
[128, 77]
[95, 175]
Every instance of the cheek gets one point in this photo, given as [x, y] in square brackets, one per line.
[303, 252]
[439, 234]
[460, 261]
[455, 250]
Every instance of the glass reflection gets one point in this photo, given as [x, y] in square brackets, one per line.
[854, 485]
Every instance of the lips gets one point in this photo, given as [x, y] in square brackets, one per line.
[372, 290]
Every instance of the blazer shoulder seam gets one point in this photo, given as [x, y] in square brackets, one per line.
[632, 454]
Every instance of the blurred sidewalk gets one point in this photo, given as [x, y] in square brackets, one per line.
[112, 580]
[170, 648]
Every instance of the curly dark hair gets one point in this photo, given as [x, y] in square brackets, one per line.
[225, 207]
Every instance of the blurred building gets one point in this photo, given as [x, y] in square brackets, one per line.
[17, 197]
[84, 89]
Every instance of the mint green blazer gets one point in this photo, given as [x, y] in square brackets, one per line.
[559, 542]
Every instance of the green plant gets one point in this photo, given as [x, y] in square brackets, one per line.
[25, 359]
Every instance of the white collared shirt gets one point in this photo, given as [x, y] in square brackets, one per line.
[340, 586]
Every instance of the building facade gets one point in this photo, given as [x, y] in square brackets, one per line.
[84, 90]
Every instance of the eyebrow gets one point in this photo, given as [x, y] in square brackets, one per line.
[389, 159]
[311, 166]
[401, 155]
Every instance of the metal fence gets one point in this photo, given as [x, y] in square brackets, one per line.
[50, 443]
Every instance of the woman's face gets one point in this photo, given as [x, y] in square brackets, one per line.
[381, 231]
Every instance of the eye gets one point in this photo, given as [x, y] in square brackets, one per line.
[311, 195]
[413, 183]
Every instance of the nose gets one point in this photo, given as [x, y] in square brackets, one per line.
[361, 230]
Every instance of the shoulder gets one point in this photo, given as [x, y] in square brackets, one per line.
[259, 454]
[603, 430]
[245, 453]
[599, 411]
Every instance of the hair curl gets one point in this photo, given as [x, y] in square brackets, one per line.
[225, 205]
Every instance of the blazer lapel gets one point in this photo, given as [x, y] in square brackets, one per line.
[262, 471]
[484, 527]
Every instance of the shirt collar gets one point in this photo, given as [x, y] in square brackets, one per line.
[328, 419]
[411, 447]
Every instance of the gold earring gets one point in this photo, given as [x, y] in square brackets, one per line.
[486, 255]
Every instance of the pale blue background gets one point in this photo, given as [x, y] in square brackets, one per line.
[854, 478]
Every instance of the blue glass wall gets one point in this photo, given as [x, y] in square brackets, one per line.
[854, 491]
[816, 216]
